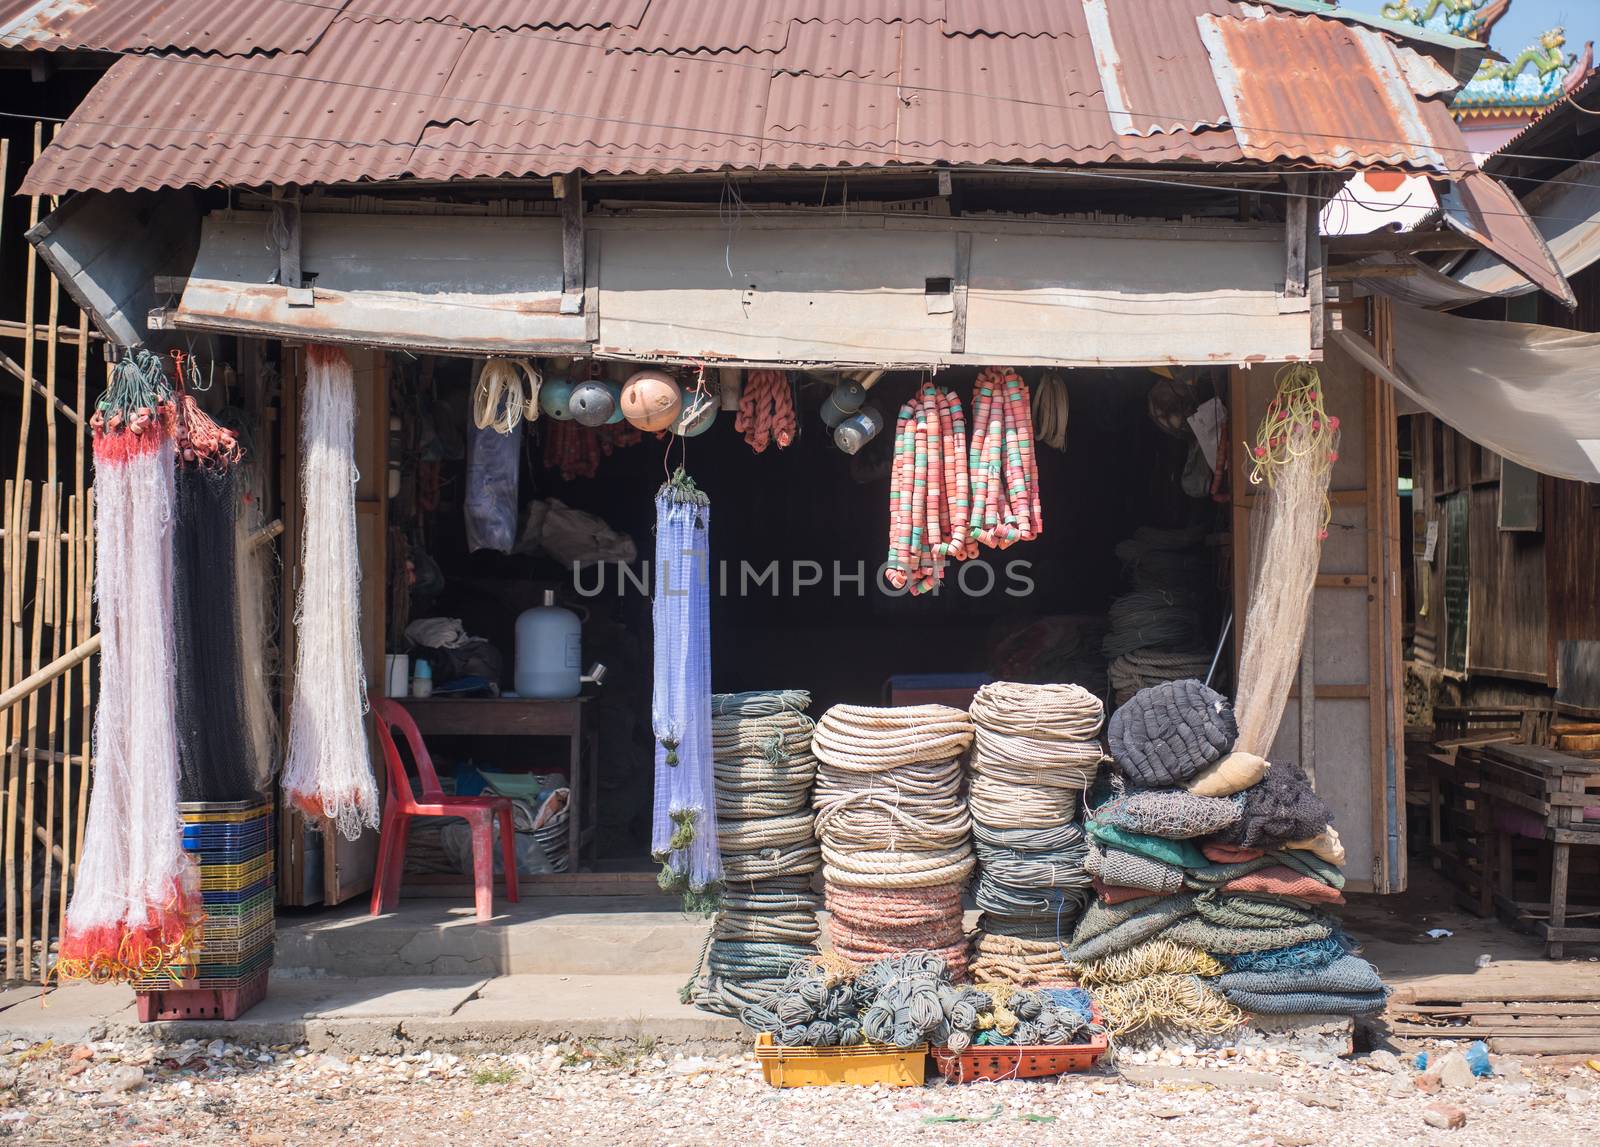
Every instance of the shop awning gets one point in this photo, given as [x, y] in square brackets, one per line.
[1483, 208]
[1530, 393]
[1567, 212]
[462, 284]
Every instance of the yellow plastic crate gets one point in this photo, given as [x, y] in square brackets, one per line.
[859, 1066]
[234, 877]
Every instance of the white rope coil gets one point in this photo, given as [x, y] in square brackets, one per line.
[1054, 712]
[858, 738]
[500, 400]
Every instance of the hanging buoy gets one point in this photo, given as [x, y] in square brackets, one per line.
[615, 390]
[845, 400]
[555, 398]
[651, 400]
[859, 429]
[592, 403]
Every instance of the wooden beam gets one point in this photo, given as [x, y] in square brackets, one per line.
[1401, 242]
[1294, 271]
[286, 232]
[958, 291]
[572, 245]
[1316, 267]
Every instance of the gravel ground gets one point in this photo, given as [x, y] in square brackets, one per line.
[114, 1093]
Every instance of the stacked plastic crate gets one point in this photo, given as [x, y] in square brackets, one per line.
[232, 845]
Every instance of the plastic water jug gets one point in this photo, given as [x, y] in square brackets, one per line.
[549, 651]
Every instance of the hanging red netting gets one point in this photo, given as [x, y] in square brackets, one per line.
[135, 907]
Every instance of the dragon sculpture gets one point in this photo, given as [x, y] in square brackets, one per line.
[1471, 18]
[1548, 59]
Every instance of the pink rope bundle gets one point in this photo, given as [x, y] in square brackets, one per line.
[868, 924]
[1005, 469]
[930, 498]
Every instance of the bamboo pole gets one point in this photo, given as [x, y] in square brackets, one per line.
[29, 764]
[15, 908]
[7, 545]
[30, 292]
[53, 768]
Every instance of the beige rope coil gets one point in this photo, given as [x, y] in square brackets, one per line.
[767, 832]
[1006, 804]
[1036, 761]
[500, 400]
[1053, 712]
[914, 807]
[794, 860]
[1017, 962]
[863, 739]
[893, 868]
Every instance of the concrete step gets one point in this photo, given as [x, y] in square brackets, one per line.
[541, 935]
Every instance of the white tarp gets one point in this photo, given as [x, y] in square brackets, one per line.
[1530, 393]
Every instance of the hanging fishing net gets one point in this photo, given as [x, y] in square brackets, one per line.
[683, 835]
[135, 906]
[1296, 446]
[327, 772]
[216, 757]
[255, 580]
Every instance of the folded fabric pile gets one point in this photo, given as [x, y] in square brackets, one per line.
[1156, 633]
[767, 914]
[1209, 904]
[895, 832]
[1036, 750]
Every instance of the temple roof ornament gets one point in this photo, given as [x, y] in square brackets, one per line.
[1473, 19]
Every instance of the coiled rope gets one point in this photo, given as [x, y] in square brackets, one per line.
[766, 410]
[1036, 750]
[1050, 410]
[507, 391]
[767, 915]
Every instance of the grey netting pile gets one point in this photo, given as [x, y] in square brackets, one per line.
[767, 915]
[1124, 869]
[1280, 807]
[1037, 749]
[1166, 734]
[1175, 814]
[1348, 985]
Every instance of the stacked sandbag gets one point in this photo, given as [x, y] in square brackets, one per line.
[1156, 630]
[1036, 750]
[767, 914]
[1209, 904]
[894, 828]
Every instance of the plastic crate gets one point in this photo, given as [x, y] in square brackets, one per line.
[186, 1002]
[214, 897]
[230, 941]
[235, 877]
[223, 812]
[238, 909]
[1001, 1062]
[823, 1066]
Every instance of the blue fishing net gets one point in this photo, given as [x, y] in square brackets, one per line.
[1307, 957]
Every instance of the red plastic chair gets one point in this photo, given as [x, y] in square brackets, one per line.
[402, 804]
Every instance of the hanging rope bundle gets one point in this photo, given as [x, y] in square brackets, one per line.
[929, 498]
[1004, 468]
[327, 772]
[684, 827]
[1050, 410]
[506, 393]
[1036, 750]
[136, 906]
[767, 916]
[576, 450]
[894, 827]
[766, 410]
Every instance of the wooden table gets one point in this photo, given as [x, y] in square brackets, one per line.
[524, 717]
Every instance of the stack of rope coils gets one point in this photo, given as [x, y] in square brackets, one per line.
[894, 829]
[1036, 750]
[767, 916]
[1156, 632]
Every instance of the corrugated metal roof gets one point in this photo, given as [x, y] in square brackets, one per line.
[772, 83]
[1305, 86]
[1481, 206]
[501, 15]
[222, 27]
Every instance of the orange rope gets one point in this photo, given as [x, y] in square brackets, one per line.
[766, 410]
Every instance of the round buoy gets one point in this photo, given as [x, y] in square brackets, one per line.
[555, 398]
[616, 403]
[651, 400]
[592, 403]
[698, 414]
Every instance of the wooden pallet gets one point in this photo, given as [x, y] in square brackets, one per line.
[1549, 1028]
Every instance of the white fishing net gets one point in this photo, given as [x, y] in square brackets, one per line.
[327, 772]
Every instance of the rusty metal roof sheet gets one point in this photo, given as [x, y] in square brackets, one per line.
[222, 27]
[691, 86]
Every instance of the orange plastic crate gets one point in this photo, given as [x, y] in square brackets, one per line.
[1018, 1062]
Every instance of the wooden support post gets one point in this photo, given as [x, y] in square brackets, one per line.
[286, 232]
[1294, 272]
[958, 293]
[572, 245]
[1316, 266]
